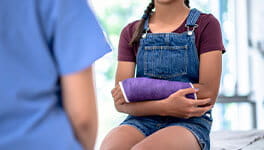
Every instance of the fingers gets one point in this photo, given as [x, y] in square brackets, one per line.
[204, 107]
[181, 94]
[118, 95]
[199, 111]
[120, 101]
[184, 92]
[202, 102]
[198, 108]
[115, 90]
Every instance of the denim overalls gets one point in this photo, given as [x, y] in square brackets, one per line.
[174, 57]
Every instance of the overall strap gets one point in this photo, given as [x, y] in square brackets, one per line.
[193, 17]
[146, 24]
[146, 27]
[191, 20]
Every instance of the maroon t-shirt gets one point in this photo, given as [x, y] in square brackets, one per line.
[208, 37]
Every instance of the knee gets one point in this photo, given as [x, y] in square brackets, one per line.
[110, 147]
[140, 147]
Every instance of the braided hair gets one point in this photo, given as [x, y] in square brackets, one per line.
[187, 3]
[140, 27]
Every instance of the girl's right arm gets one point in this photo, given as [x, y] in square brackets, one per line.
[125, 70]
[175, 105]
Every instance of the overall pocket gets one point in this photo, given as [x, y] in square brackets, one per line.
[165, 61]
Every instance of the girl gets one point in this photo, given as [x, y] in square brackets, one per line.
[172, 43]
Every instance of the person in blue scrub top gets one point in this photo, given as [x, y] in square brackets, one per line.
[47, 98]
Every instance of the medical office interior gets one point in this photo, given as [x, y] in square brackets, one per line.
[239, 112]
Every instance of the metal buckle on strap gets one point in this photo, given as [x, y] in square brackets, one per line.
[191, 28]
[145, 33]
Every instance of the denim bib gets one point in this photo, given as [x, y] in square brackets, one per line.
[170, 56]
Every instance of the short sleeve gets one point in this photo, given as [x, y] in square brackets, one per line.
[125, 51]
[211, 36]
[78, 37]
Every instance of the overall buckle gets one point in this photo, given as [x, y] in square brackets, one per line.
[191, 28]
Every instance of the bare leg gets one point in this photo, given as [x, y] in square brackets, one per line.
[122, 138]
[170, 138]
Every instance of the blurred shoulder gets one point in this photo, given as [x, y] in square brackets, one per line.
[206, 19]
[130, 28]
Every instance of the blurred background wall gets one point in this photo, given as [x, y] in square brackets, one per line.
[240, 104]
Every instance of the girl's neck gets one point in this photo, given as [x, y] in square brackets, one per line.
[168, 12]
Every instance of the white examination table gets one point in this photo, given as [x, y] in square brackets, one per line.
[237, 140]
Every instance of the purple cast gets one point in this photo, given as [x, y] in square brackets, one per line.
[144, 89]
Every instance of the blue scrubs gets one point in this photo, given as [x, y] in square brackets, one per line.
[40, 41]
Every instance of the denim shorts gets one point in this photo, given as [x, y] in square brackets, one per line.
[199, 126]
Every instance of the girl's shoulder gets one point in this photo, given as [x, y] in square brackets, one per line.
[129, 29]
[207, 18]
[132, 24]
[205, 40]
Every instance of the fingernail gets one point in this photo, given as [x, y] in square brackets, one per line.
[196, 89]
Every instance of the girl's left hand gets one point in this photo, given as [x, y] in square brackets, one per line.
[118, 95]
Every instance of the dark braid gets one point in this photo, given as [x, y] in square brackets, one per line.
[187, 3]
[140, 27]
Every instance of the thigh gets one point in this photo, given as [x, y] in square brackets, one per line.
[169, 138]
[123, 137]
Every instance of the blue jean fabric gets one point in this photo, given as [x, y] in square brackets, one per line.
[173, 57]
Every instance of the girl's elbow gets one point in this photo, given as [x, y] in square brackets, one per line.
[212, 95]
[208, 94]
